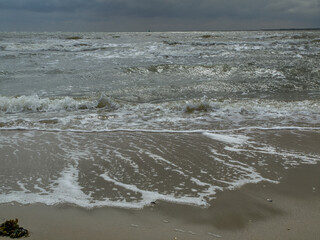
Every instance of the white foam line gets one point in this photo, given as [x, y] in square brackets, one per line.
[220, 154]
[127, 159]
[162, 130]
[241, 167]
[150, 196]
[64, 190]
[232, 149]
[214, 235]
[254, 176]
[159, 158]
[36, 186]
[221, 181]
[277, 128]
[211, 190]
[309, 159]
[199, 183]
[105, 130]
[271, 151]
[21, 185]
[233, 139]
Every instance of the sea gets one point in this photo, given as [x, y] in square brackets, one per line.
[127, 119]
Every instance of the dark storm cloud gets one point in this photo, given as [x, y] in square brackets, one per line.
[171, 8]
[303, 12]
[42, 6]
[228, 8]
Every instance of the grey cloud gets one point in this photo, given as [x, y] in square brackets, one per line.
[245, 9]
[43, 5]
[300, 12]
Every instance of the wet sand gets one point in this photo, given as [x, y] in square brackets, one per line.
[245, 213]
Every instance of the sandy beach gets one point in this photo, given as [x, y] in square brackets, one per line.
[288, 210]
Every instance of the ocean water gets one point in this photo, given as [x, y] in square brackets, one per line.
[124, 119]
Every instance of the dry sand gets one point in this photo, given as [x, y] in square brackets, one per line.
[245, 213]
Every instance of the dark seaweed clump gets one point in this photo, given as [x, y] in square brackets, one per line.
[11, 228]
[206, 36]
[172, 43]
[74, 38]
[202, 107]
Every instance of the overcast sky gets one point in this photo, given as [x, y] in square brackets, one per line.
[156, 15]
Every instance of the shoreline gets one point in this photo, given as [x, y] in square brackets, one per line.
[244, 213]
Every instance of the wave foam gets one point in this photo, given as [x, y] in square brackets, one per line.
[105, 171]
[34, 103]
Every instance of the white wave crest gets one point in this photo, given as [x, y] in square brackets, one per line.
[34, 103]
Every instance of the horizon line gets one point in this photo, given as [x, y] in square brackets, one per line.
[150, 31]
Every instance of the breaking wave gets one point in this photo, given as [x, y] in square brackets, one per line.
[104, 113]
[34, 103]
